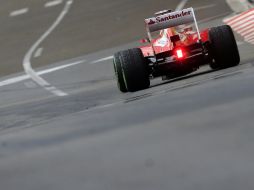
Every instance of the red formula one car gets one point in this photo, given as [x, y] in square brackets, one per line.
[176, 48]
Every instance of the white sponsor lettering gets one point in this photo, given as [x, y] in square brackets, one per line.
[167, 17]
[170, 20]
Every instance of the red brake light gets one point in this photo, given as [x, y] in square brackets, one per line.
[179, 53]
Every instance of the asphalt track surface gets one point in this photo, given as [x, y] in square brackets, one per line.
[195, 132]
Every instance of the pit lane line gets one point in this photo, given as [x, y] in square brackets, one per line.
[46, 71]
[19, 12]
[181, 5]
[27, 59]
[38, 52]
[25, 10]
[26, 77]
[53, 3]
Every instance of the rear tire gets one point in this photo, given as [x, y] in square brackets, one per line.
[118, 73]
[224, 49]
[135, 70]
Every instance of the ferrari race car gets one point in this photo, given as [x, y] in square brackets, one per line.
[175, 48]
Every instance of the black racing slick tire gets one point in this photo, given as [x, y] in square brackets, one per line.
[135, 69]
[119, 73]
[223, 47]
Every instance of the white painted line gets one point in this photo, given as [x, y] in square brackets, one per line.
[38, 52]
[26, 77]
[14, 80]
[19, 12]
[60, 67]
[53, 3]
[204, 7]
[103, 59]
[27, 59]
[55, 91]
[181, 5]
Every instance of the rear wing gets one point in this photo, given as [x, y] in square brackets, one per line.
[172, 19]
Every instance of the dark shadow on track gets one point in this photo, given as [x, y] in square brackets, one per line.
[149, 94]
[184, 77]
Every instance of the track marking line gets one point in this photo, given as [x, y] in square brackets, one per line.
[204, 7]
[26, 77]
[18, 12]
[27, 59]
[53, 3]
[102, 59]
[14, 80]
[181, 5]
[38, 52]
[60, 67]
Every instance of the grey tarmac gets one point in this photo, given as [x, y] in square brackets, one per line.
[195, 132]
